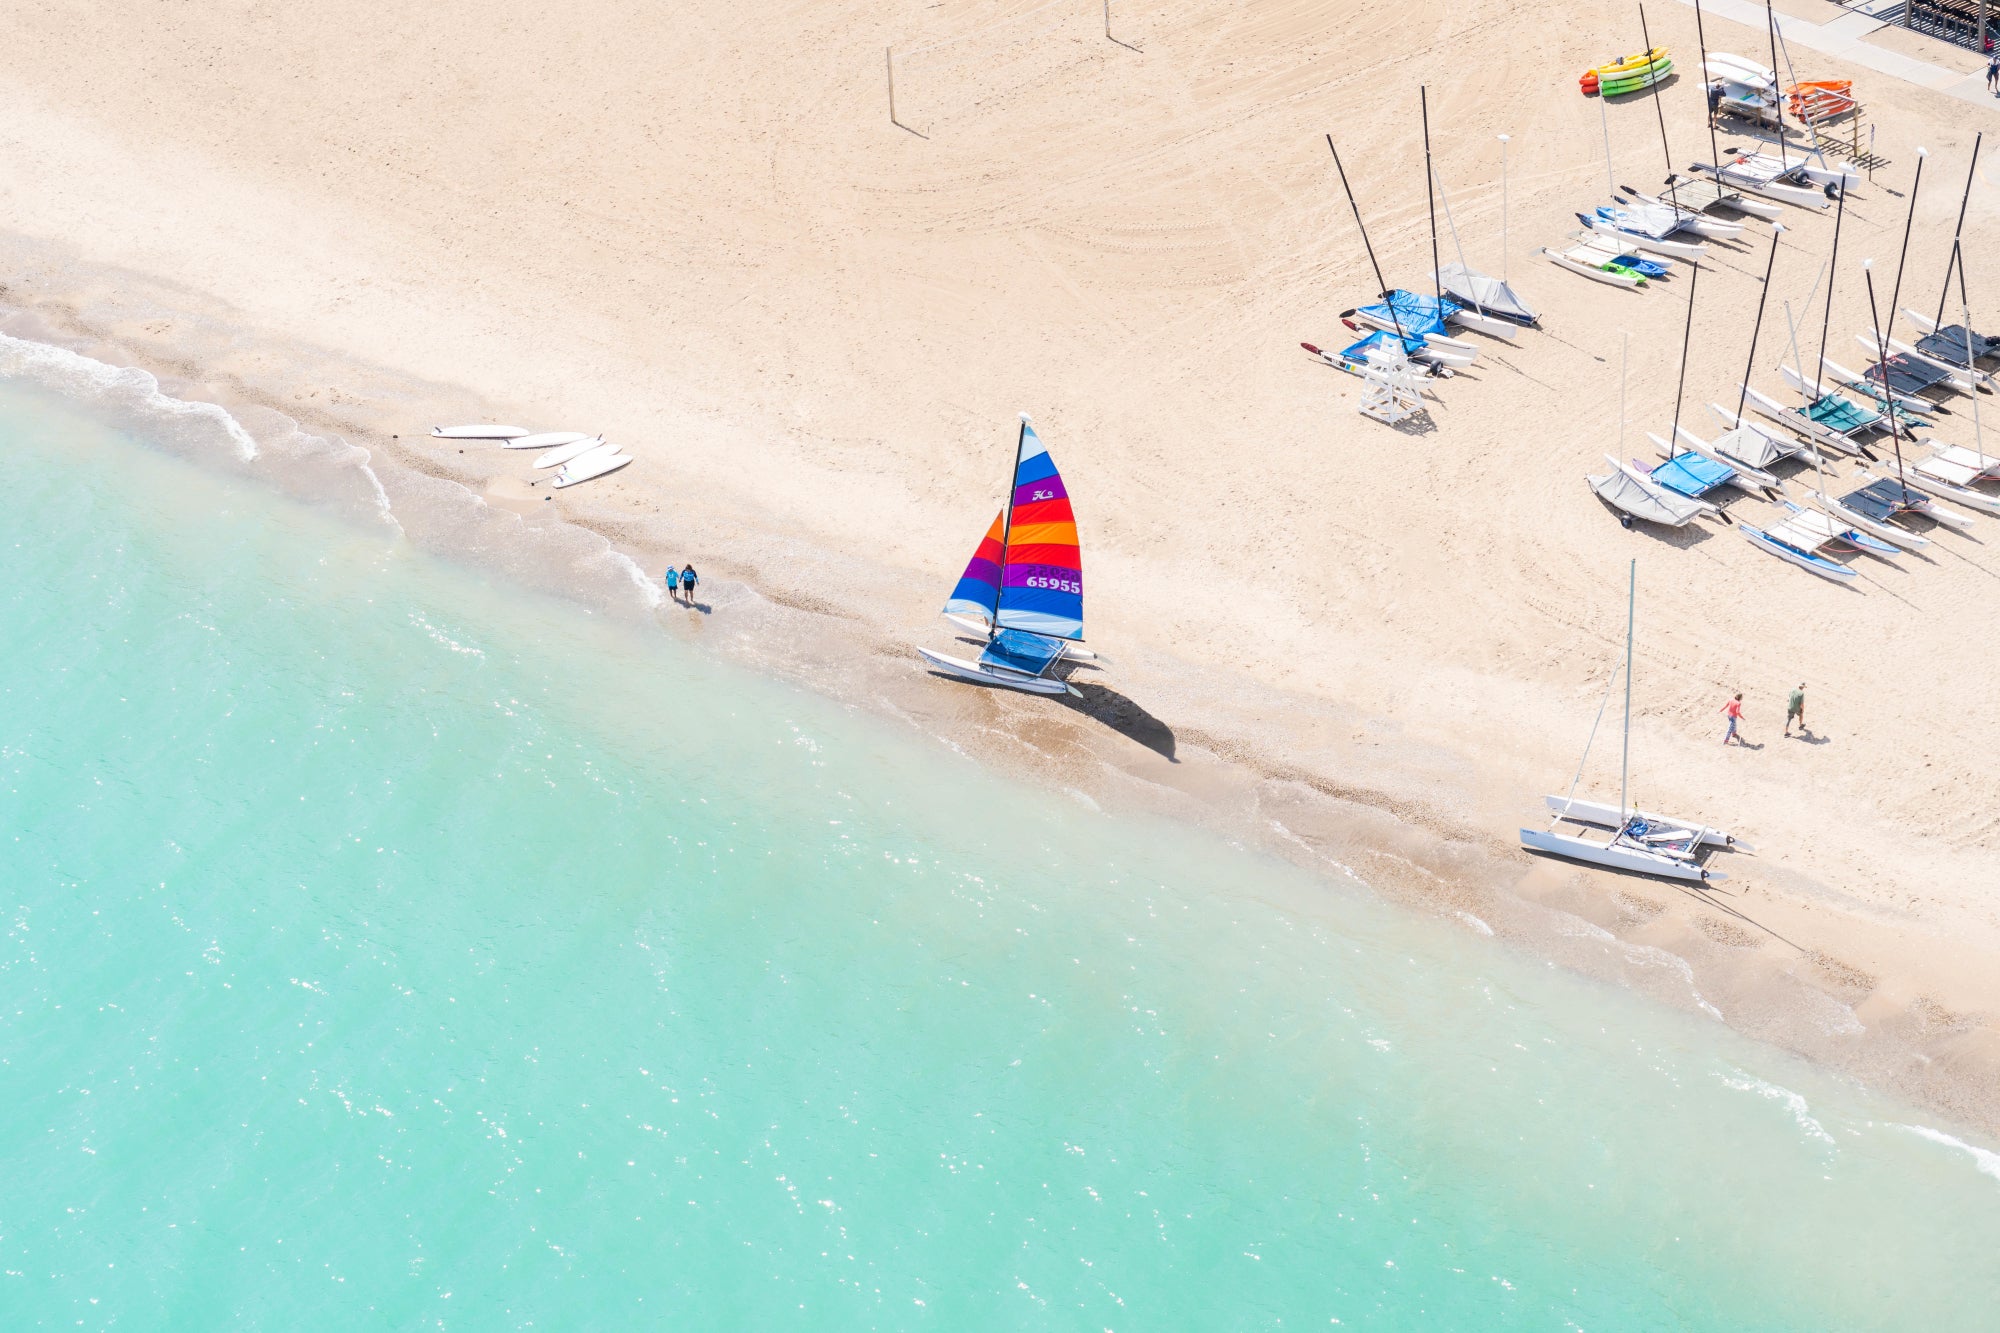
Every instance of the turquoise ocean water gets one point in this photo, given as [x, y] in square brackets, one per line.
[389, 947]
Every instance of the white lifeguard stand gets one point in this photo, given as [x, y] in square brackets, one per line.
[1392, 394]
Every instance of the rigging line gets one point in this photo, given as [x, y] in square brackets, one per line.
[1609, 685]
[1945, 292]
[1687, 333]
[1896, 292]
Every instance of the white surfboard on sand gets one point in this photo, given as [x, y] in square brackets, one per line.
[594, 464]
[547, 439]
[574, 449]
[479, 432]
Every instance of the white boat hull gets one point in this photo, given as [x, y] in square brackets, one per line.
[1803, 424]
[1963, 380]
[1611, 277]
[1613, 856]
[1832, 570]
[1013, 680]
[1609, 816]
[1982, 501]
[1694, 444]
[1672, 249]
[1888, 532]
[1072, 652]
[1798, 196]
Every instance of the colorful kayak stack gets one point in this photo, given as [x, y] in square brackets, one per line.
[1628, 74]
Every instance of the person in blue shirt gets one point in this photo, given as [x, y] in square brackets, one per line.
[674, 584]
[687, 584]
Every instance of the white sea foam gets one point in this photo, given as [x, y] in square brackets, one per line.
[128, 387]
[1473, 921]
[1986, 1160]
[1791, 1101]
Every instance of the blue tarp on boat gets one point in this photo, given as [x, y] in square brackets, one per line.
[1691, 474]
[1021, 650]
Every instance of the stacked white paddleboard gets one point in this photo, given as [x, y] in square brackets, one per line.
[580, 457]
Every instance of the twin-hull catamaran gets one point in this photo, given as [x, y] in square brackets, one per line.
[1024, 586]
[1644, 843]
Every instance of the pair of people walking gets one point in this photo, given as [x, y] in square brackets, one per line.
[1795, 711]
[680, 584]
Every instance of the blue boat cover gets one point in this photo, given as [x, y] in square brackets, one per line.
[1691, 474]
[1644, 267]
[1416, 314]
[1358, 352]
[1881, 500]
[1836, 413]
[1021, 650]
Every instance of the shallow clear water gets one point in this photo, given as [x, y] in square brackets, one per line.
[385, 946]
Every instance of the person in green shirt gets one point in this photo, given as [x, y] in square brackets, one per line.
[1795, 710]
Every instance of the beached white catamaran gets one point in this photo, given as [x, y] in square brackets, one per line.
[1621, 837]
[1023, 589]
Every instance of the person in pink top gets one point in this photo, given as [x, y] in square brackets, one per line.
[1733, 710]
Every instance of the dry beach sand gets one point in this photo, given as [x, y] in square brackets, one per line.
[694, 227]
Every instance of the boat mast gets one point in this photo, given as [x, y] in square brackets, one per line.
[1625, 758]
[1777, 230]
[1945, 292]
[1647, 37]
[1362, 227]
[1896, 292]
[1714, 153]
[1007, 529]
[1687, 335]
[1430, 200]
[1777, 101]
[1832, 276]
[1888, 395]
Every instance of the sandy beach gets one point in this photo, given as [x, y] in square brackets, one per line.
[1371, 650]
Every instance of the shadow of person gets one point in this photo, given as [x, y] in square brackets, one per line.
[1102, 704]
[1810, 738]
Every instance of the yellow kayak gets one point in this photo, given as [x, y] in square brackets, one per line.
[1629, 64]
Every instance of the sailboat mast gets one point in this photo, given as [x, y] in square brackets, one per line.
[1687, 335]
[1888, 394]
[1368, 245]
[1625, 758]
[1777, 100]
[1832, 276]
[1647, 37]
[1777, 230]
[1007, 529]
[1944, 293]
[1701, 38]
[1430, 200]
[1896, 292]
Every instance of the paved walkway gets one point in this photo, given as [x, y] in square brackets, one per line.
[1841, 37]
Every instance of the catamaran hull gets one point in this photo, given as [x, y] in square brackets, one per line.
[1696, 445]
[1611, 857]
[1803, 424]
[1611, 276]
[1798, 196]
[1013, 680]
[1888, 532]
[1806, 560]
[1963, 380]
[1608, 816]
[1072, 652]
[1945, 490]
[1449, 351]
[1672, 249]
[1843, 378]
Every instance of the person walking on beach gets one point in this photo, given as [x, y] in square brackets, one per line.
[1733, 710]
[688, 578]
[1993, 73]
[674, 584]
[1795, 710]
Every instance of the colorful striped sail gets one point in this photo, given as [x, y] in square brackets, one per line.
[1041, 585]
[978, 590]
